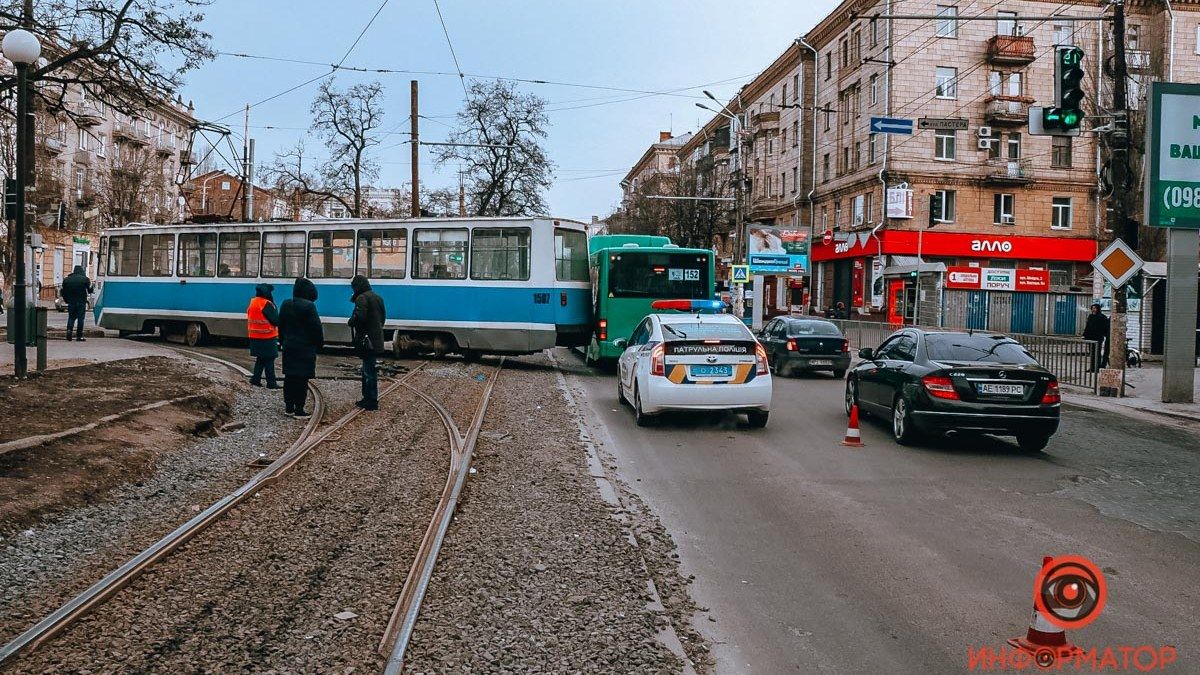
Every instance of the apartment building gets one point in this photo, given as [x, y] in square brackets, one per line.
[1009, 200]
[96, 167]
[219, 195]
[659, 159]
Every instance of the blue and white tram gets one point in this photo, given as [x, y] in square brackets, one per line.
[468, 285]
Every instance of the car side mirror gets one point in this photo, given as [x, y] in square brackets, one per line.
[620, 343]
[866, 353]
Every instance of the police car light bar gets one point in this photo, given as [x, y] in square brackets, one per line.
[689, 305]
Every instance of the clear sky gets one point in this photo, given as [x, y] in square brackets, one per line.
[595, 134]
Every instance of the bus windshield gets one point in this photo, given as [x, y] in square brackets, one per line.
[644, 274]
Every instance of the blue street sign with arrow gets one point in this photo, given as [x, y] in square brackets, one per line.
[892, 125]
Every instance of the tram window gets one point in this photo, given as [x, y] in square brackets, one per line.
[570, 255]
[500, 254]
[283, 254]
[382, 253]
[331, 254]
[158, 253]
[197, 254]
[123, 255]
[102, 267]
[440, 254]
[238, 254]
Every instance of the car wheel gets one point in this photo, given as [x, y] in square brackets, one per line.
[902, 427]
[621, 392]
[193, 334]
[852, 396]
[642, 419]
[757, 418]
[839, 374]
[1033, 443]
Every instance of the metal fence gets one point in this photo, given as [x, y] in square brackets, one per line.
[1016, 313]
[1071, 359]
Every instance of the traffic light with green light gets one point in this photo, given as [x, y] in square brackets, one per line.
[1066, 115]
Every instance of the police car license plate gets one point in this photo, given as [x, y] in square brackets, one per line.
[711, 371]
[1003, 389]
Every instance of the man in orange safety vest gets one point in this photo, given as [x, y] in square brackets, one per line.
[261, 320]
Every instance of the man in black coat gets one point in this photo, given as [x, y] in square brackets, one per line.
[366, 330]
[75, 290]
[301, 334]
[1096, 329]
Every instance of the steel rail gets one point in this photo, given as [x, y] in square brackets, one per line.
[114, 581]
[403, 621]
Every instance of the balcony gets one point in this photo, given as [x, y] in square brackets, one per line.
[764, 120]
[126, 132]
[1138, 59]
[163, 147]
[1010, 49]
[83, 157]
[1009, 172]
[86, 115]
[185, 158]
[1007, 110]
[51, 144]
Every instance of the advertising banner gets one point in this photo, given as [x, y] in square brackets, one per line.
[997, 279]
[899, 203]
[778, 250]
[1173, 148]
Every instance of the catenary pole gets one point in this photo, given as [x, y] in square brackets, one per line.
[1125, 228]
[416, 151]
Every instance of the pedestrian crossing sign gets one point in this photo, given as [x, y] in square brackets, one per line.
[741, 274]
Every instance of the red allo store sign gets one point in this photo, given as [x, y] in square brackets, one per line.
[956, 244]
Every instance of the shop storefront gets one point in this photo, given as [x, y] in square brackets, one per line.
[899, 274]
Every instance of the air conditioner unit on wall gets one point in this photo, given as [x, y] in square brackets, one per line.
[985, 132]
[1008, 220]
[985, 143]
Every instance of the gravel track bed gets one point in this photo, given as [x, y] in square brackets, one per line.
[260, 589]
[468, 381]
[536, 574]
[48, 564]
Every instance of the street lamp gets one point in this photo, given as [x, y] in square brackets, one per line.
[22, 48]
[742, 236]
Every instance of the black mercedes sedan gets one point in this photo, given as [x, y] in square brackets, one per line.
[794, 344]
[935, 382]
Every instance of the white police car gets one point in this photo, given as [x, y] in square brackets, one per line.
[693, 361]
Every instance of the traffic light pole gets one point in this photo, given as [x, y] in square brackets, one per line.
[1123, 227]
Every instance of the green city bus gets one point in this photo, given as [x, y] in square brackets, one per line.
[631, 271]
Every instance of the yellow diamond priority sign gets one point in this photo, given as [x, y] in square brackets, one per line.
[1118, 263]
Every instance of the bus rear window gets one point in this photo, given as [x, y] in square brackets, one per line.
[658, 275]
[705, 331]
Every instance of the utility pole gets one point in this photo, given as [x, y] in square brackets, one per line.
[1124, 227]
[416, 154]
[24, 178]
[247, 214]
[250, 183]
[462, 196]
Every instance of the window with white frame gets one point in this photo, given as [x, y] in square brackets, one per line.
[101, 142]
[858, 210]
[837, 214]
[1004, 209]
[795, 133]
[876, 29]
[1006, 23]
[874, 88]
[1014, 146]
[1064, 32]
[83, 139]
[857, 154]
[945, 82]
[944, 141]
[947, 25]
[1060, 213]
[872, 147]
[795, 178]
[870, 197]
[825, 167]
[946, 215]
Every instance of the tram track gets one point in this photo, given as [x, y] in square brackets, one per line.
[398, 632]
[57, 621]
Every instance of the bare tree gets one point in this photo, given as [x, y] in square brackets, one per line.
[131, 186]
[128, 53]
[507, 170]
[296, 178]
[694, 223]
[349, 124]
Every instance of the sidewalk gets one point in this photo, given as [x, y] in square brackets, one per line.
[1144, 394]
[63, 354]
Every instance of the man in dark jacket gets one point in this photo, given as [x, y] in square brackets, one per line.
[366, 330]
[1096, 329]
[262, 320]
[301, 334]
[75, 290]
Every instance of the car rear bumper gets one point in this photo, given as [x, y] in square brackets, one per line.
[662, 394]
[805, 361]
[1010, 423]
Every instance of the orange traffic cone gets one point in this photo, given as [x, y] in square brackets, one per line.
[853, 439]
[1044, 641]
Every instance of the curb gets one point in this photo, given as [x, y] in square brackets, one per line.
[1125, 409]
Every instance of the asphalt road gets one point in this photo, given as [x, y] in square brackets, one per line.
[814, 557]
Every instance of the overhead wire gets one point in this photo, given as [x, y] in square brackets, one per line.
[461, 79]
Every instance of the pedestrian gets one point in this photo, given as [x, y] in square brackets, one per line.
[262, 321]
[366, 333]
[840, 311]
[75, 291]
[1096, 329]
[301, 334]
